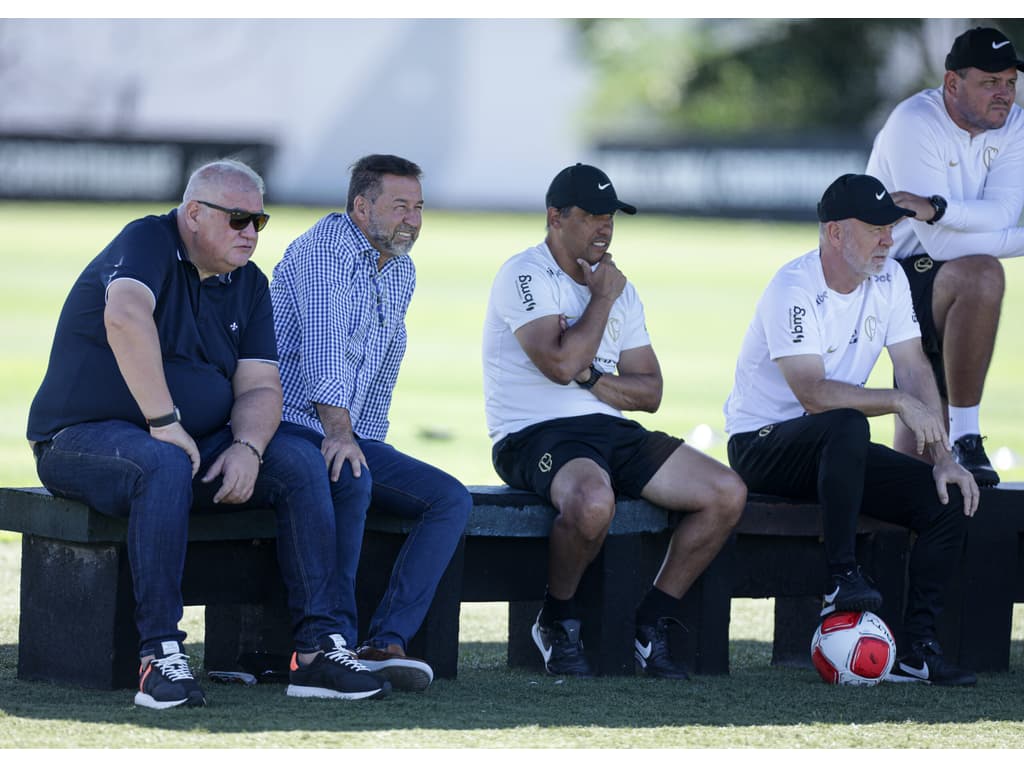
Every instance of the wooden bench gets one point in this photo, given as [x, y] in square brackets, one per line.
[75, 582]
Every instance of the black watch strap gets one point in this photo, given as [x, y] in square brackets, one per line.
[939, 204]
[595, 374]
[165, 421]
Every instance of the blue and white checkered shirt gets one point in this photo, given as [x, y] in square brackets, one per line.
[340, 325]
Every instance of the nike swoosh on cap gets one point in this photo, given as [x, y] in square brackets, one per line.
[603, 187]
[880, 195]
[996, 46]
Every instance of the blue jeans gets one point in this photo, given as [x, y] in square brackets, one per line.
[118, 469]
[412, 489]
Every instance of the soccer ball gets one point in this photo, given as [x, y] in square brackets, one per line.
[853, 648]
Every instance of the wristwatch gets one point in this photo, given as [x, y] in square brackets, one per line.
[939, 204]
[165, 421]
[595, 374]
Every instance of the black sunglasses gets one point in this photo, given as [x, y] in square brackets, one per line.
[239, 219]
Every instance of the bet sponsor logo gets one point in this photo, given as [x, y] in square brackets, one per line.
[923, 264]
[545, 463]
[796, 323]
[525, 294]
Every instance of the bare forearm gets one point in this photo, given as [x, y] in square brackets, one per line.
[256, 415]
[579, 343]
[335, 420]
[630, 392]
[828, 395]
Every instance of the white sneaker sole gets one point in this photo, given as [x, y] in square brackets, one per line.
[312, 692]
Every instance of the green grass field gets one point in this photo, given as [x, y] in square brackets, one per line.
[699, 281]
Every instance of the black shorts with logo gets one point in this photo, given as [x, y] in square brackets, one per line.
[921, 271]
[627, 451]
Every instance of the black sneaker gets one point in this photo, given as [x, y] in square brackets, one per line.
[562, 648]
[851, 592]
[166, 681]
[969, 453]
[336, 673]
[652, 653]
[926, 664]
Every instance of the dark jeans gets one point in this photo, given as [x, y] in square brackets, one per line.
[119, 470]
[829, 457]
[409, 488]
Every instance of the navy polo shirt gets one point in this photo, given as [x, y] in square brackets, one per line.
[205, 328]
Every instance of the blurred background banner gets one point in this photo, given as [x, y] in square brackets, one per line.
[726, 117]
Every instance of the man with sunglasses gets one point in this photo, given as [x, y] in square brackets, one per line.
[340, 296]
[162, 397]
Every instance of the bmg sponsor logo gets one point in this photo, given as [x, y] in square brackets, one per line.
[796, 323]
[525, 295]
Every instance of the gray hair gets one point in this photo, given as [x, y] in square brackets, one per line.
[218, 173]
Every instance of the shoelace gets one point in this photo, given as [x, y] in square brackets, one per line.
[346, 658]
[174, 667]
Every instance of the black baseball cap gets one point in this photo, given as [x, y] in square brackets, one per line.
[585, 187]
[983, 48]
[857, 196]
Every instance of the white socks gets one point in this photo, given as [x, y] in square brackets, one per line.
[963, 421]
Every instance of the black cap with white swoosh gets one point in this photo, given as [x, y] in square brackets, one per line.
[983, 48]
[858, 196]
[585, 187]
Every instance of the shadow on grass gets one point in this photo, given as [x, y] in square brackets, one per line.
[489, 695]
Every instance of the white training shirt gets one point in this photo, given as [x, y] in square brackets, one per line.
[798, 314]
[529, 286]
[921, 150]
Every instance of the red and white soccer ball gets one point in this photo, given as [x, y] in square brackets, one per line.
[853, 648]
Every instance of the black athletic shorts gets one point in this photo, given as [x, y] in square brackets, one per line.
[627, 451]
[921, 271]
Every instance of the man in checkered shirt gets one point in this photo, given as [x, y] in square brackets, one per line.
[340, 295]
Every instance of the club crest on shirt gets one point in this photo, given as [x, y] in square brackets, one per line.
[870, 326]
[545, 463]
[923, 264]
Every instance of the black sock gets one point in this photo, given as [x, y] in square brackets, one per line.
[557, 610]
[655, 605]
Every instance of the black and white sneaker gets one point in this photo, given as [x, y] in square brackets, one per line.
[851, 592]
[562, 648]
[336, 673]
[652, 653]
[166, 680]
[926, 664]
[970, 454]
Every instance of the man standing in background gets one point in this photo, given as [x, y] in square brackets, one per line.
[956, 155]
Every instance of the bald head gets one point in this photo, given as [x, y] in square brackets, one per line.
[219, 175]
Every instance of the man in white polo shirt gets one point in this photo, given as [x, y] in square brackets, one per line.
[956, 154]
[565, 351]
[797, 415]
